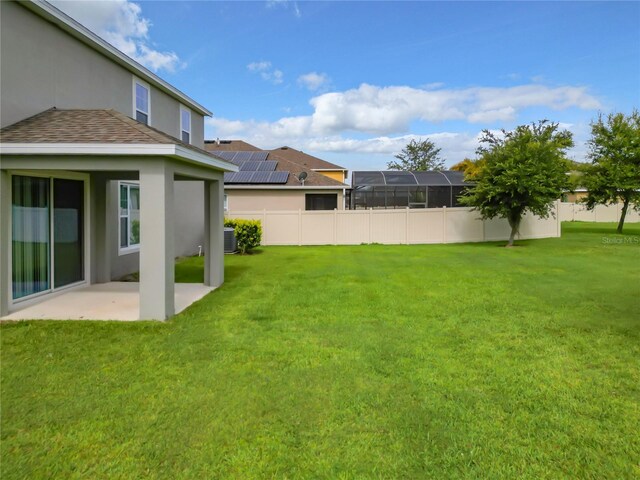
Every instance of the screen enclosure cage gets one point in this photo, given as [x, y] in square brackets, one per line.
[397, 189]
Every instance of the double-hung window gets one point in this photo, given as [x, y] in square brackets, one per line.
[129, 216]
[185, 125]
[141, 101]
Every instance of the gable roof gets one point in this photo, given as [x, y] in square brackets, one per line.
[85, 131]
[229, 146]
[304, 159]
[294, 169]
[50, 13]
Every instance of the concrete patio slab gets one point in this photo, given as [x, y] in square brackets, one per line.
[103, 301]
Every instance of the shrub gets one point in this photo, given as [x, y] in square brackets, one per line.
[248, 233]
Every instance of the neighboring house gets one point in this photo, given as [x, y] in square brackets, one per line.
[230, 146]
[576, 196]
[269, 181]
[103, 170]
[311, 163]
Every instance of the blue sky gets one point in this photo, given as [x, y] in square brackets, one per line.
[352, 82]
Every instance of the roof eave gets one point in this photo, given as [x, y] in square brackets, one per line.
[118, 149]
[86, 36]
[234, 186]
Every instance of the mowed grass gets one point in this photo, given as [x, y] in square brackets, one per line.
[433, 361]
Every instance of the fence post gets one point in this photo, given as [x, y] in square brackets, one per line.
[299, 227]
[370, 222]
[444, 224]
[335, 226]
[558, 223]
[264, 225]
[406, 228]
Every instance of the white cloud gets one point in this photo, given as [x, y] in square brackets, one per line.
[266, 71]
[121, 23]
[377, 120]
[313, 81]
[285, 4]
[259, 66]
[384, 110]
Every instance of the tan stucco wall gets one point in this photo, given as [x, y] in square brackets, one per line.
[253, 200]
[41, 67]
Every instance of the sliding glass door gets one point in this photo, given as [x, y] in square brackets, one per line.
[30, 242]
[47, 234]
[68, 238]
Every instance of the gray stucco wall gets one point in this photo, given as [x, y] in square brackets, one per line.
[41, 66]
[189, 221]
[189, 226]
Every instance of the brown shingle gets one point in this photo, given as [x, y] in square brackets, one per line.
[313, 179]
[304, 159]
[87, 126]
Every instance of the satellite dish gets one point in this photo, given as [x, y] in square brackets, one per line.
[302, 176]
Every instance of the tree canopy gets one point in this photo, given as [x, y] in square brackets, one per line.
[469, 167]
[614, 172]
[524, 171]
[418, 155]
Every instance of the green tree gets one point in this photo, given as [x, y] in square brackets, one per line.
[469, 167]
[418, 155]
[614, 172]
[525, 170]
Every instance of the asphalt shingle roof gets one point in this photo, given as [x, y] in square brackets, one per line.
[313, 179]
[229, 146]
[87, 126]
[304, 159]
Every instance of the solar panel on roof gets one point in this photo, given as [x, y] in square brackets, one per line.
[222, 154]
[241, 177]
[249, 166]
[258, 156]
[279, 177]
[243, 156]
[260, 177]
[267, 166]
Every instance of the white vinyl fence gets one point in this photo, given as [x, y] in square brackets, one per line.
[406, 226]
[570, 212]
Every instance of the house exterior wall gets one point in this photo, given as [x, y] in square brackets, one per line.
[41, 67]
[333, 174]
[188, 232]
[272, 200]
[574, 197]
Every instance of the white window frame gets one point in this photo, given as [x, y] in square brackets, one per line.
[184, 109]
[137, 81]
[136, 246]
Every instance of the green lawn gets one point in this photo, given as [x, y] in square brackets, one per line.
[434, 361]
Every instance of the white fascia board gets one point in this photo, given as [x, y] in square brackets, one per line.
[274, 187]
[152, 149]
[329, 170]
[86, 36]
